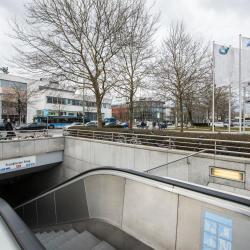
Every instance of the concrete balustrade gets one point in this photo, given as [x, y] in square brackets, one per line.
[160, 215]
[81, 154]
[20, 148]
[42, 153]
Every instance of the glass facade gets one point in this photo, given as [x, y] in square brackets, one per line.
[12, 84]
[13, 100]
[149, 110]
[74, 102]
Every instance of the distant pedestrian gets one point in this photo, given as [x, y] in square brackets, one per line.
[143, 124]
[9, 129]
[154, 124]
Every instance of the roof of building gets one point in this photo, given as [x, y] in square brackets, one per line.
[15, 78]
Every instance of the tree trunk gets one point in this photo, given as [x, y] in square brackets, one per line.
[99, 113]
[190, 116]
[98, 99]
[131, 113]
[181, 115]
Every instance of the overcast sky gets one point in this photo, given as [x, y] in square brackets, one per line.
[218, 20]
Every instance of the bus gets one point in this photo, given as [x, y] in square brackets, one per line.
[58, 121]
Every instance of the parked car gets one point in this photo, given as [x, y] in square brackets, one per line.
[91, 124]
[219, 125]
[124, 124]
[110, 124]
[2, 126]
[109, 120]
[32, 126]
[72, 124]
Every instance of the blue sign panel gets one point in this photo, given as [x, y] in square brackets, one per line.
[217, 232]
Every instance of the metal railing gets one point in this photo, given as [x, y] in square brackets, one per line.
[214, 146]
[186, 157]
[23, 134]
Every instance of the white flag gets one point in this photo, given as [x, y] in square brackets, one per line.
[225, 65]
[245, 60]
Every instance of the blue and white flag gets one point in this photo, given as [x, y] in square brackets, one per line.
[245, 60]
[226, 61]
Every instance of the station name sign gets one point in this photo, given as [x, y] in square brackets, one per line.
[17, 163]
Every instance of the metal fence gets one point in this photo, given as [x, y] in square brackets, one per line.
[23, 134]
[224, 147]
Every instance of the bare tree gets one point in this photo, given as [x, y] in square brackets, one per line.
[75, 40]
[183, 66]
[133, 64]
[15, 101]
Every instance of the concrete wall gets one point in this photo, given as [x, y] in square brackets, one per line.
[47, 152]
[81, 154]
[20, 148]
[159, 215]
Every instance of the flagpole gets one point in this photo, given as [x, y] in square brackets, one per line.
[244, 109]
[240, 101]
[213, 101]
[229, 108]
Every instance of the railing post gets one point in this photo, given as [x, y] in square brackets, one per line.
[77, 133]
[215, 147]
[93, 134]
[112, 136]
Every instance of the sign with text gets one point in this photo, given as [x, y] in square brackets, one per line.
[17, 163]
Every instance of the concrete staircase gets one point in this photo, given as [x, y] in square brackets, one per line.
[72, 240]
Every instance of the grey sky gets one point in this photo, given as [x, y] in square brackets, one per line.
[219, 20]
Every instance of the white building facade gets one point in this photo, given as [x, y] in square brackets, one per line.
[48, 95]
[58, 101]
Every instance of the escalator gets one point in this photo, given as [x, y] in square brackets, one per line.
[71, 239]
[108, 208]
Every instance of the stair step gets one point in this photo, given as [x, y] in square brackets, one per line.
[61, 239]
[47, 240]
[48, 236]
[83, 241]
[103, 246]
[40, 236]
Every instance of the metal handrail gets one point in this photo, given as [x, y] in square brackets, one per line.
[161, 136]
[233, 148]
[174, 182]
[22, 234]
[23, 134]
[182, 158]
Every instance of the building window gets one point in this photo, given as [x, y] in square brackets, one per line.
[55, 100]
[12, 84]
[49, 99]
[64, 101]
